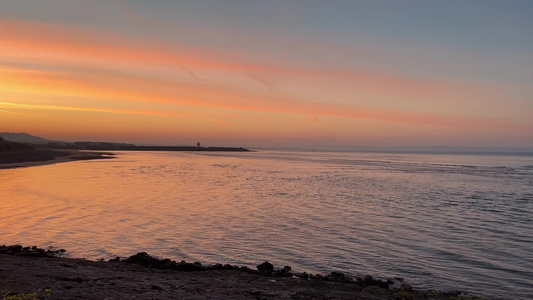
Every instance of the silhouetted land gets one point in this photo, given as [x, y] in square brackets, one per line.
[130, 147]
[35, 142]
[15, 155]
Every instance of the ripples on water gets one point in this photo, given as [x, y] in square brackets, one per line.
[440, 221]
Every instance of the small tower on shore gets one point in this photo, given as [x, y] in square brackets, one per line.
[198, 145]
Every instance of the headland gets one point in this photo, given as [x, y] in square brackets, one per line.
[130, 147]
[20, 154]
[17, 155]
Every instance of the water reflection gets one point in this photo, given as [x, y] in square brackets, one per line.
[433, 219]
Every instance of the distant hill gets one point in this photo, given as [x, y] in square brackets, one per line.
[23, 137]
[13, 146]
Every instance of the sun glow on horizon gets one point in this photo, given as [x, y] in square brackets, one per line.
[52, 72]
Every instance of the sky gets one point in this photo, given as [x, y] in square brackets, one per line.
[269, 73]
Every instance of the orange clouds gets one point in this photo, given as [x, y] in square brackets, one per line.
[149, 90]
[10, 112]
[43, 42]
[47, 43]
[87, 68]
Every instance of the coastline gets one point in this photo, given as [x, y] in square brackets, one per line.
[25, 270]
[33, 158]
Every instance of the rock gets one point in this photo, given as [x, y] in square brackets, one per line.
[404, 287]
[382, 284]
[143, 259]
[304, 275]
[246, 269]
[285, 272]
[265, 268]
[36, 253]
[28, 251]
[188, 267]
[14, 249]
[336, 276]
[230, 267]
[162, 263]
[169, 264]
[369, 281]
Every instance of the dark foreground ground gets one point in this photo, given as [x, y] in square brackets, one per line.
[23, 272]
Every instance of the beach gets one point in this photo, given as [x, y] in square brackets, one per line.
[28, 270]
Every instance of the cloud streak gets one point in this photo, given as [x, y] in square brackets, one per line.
[41, 61]
[11, 112]
[59, 44]
[150, 90]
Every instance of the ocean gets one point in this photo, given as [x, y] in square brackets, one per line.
[440, 221]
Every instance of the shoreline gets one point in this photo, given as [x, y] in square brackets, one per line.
[26, 270]
[119, 147]
[33, 158]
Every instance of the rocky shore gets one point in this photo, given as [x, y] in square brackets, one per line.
[36, 273]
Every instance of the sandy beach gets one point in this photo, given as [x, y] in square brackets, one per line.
[32, 270]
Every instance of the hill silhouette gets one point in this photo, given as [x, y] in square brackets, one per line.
[10, 146]
[13, 152]
[23, 137]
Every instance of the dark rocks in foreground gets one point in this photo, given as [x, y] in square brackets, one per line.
[31, 251]
[156, 279]
[145, 260]
[264, 269]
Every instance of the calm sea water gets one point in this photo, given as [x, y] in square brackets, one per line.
[440, 221]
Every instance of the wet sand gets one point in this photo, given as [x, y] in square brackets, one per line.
[31, 158]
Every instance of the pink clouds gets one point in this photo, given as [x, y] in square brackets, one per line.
[53, 60]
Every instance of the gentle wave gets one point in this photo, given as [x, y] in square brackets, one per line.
[458, 222]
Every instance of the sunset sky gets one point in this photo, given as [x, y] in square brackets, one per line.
[269, 73]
